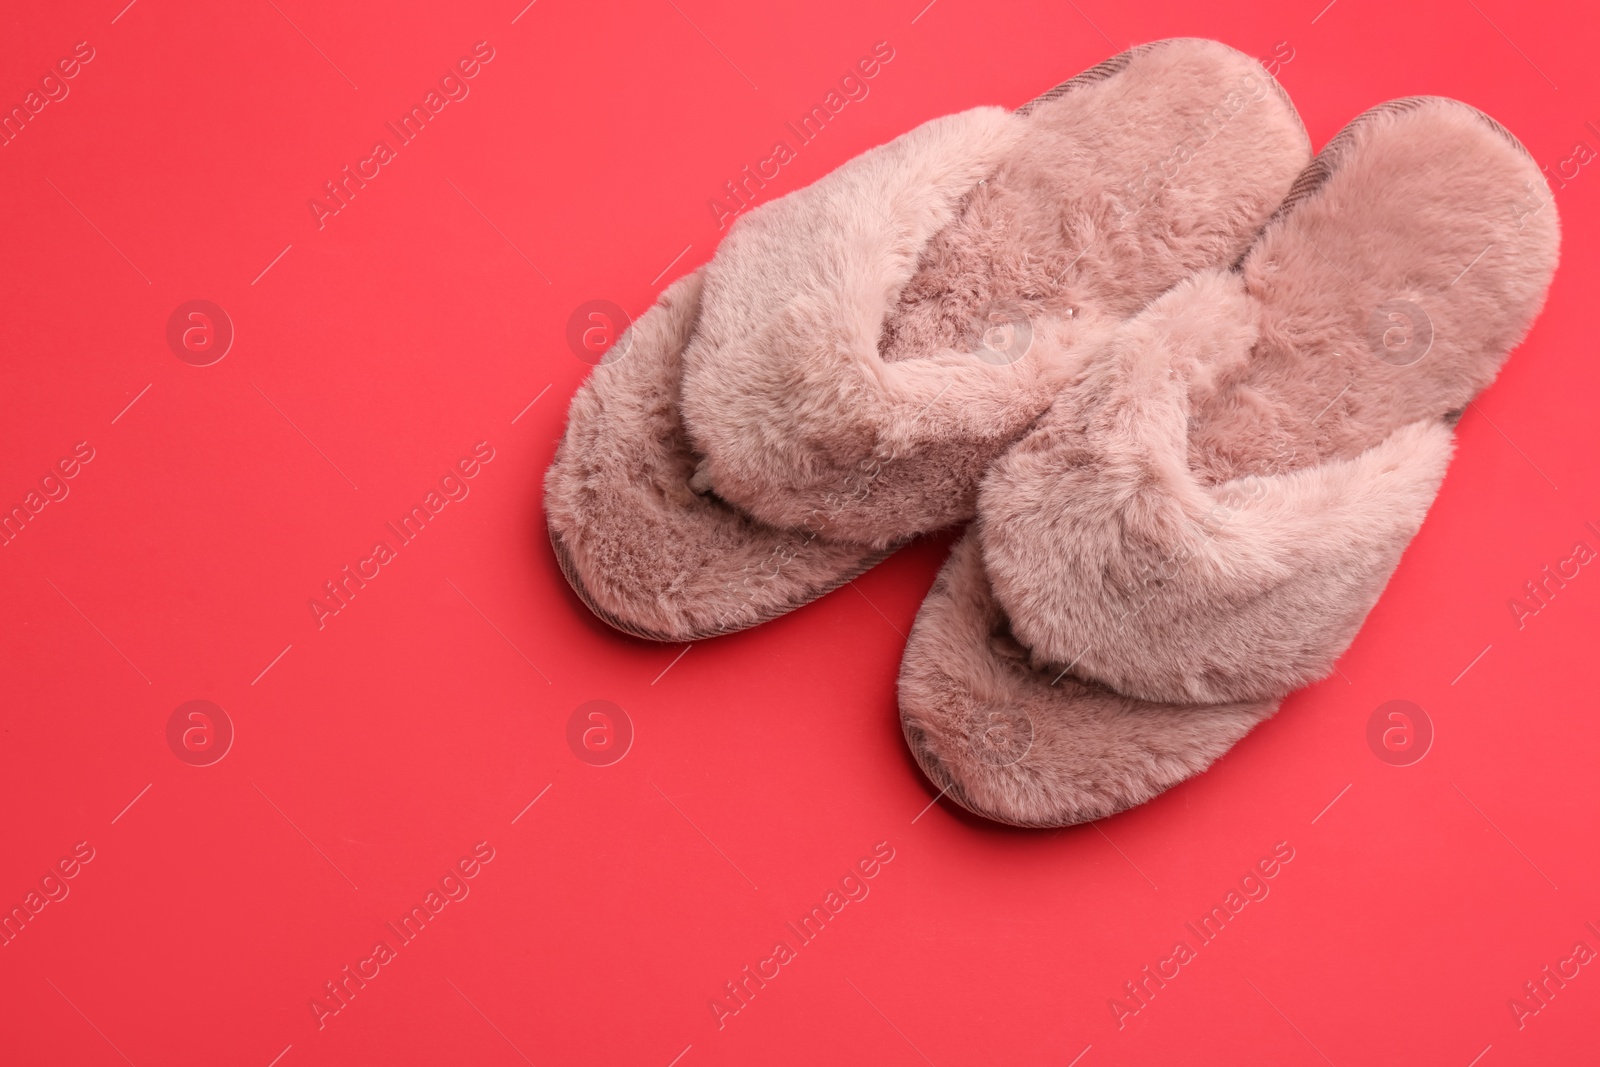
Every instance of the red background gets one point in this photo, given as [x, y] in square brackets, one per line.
[430, 711]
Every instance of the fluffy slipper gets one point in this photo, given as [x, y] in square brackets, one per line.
[1205, 516]
[643, 551]
[860, 349]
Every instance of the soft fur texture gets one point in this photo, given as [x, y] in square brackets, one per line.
[647, 555]
[834, 348]
[1112, 558]
[1209, 511]
[835, 380]
[1021, 746]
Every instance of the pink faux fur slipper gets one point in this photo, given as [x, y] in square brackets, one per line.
[837, 379]
[1204, 517]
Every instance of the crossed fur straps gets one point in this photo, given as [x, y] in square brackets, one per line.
[1117, 563]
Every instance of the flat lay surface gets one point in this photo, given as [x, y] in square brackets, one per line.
[311, 756]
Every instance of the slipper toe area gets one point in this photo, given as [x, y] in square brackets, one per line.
[998, 738]
[643, 550]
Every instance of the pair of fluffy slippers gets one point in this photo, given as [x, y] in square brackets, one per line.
[1194, 389]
